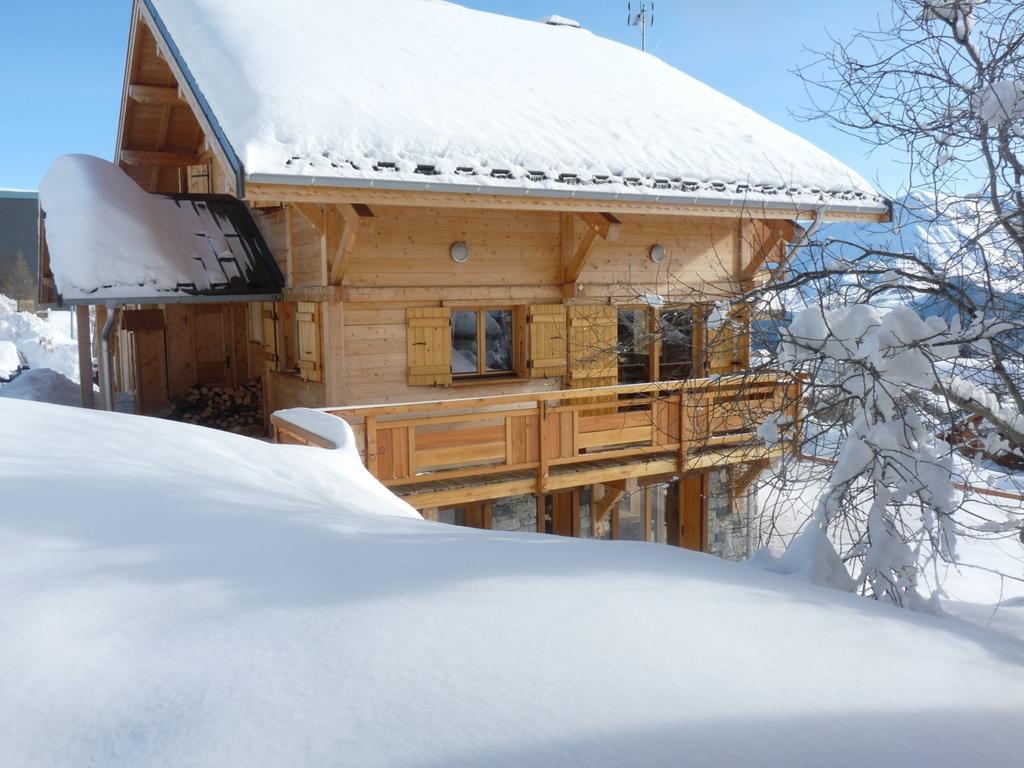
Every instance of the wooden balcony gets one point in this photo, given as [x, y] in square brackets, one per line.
[459, 451]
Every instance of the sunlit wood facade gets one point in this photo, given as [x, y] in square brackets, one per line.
[483, 346]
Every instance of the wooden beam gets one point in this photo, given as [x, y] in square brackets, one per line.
[161, 142]
[315, 293]
[607, 226]
[144, 17]
[156, 94]
[744, 479]
[598, 226]
[313, 214]
[344, 225]
[84, 355]
[580, 255]
[566, 238]
[162, 159]
[613, 491]
[772, 238]
[322, 193]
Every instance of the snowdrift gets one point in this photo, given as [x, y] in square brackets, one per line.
[177, 596]
[43, 386]
[44, 344]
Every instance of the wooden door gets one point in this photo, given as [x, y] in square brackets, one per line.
[564, 514]
[212, 334]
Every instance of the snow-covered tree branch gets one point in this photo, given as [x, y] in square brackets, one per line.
[911, 334]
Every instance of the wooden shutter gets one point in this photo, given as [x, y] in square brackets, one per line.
[548, 340]
[593, 342]
[254, 322]
[307, 345]
[428, 335]
[728, 345]
[268, 315]
[198, 179]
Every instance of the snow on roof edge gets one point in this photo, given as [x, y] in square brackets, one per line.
[670, 193]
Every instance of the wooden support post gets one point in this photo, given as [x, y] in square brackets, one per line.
[85, 356]
[543, 473]
[101, 319]
[613, 492]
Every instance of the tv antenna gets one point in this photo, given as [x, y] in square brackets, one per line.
[643, 18]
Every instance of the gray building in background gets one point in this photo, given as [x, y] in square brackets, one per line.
[19, 234]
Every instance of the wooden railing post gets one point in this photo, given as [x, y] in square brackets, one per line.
[370, 425]
[543, 473]
[684, 431]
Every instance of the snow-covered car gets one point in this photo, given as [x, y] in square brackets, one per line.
[12, 362]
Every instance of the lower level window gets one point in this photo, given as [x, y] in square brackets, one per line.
[482, 342]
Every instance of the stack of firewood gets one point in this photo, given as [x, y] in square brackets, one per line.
[235, 409]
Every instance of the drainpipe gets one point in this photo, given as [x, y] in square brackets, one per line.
[819, 215]
[106, 372]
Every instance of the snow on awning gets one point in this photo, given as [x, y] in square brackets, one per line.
[107, 240]
[431, 96]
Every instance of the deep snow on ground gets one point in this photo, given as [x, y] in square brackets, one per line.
[179, 596]
[45, 343]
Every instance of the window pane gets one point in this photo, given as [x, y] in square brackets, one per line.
[631, 516]
[634, 347]
[464, 342]
[676, 344]
[499, 339]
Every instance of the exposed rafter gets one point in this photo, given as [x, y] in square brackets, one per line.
[155, 94]
[161, 159]
[773, 235]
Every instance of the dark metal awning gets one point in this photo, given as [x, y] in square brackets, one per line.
[233, 253]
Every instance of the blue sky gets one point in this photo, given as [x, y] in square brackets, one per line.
[63, 62]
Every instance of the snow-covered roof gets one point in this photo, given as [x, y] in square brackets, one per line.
[108, 239]
[425, 94]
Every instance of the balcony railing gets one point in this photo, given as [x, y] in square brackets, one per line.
[569, 438]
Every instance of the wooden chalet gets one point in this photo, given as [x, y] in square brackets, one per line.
[499, 270]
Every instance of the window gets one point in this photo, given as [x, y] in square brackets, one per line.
[634, 346]
[482, 342]
[676, 358]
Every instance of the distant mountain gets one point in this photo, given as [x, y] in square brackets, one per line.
[956, 236]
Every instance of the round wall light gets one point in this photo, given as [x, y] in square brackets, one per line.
[657, 253]
[460, 253]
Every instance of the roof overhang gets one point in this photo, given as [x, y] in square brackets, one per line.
[150, 300]
[431, 193]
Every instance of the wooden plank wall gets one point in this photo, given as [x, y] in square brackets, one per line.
[272, 224]
[514, 260]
